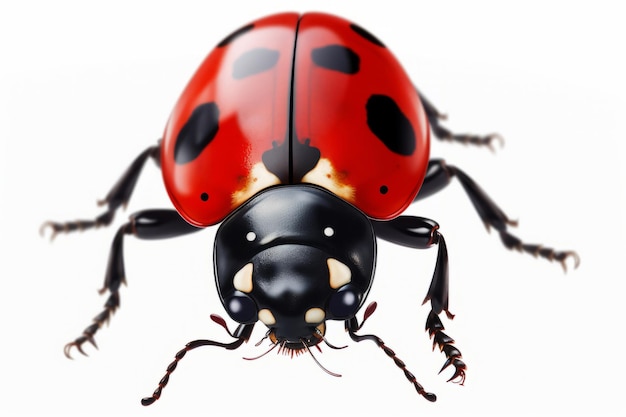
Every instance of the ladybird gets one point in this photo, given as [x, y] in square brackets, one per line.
[302, 136]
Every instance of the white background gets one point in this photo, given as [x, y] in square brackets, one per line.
[85, 88]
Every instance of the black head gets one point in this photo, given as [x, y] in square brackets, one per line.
[293, 257]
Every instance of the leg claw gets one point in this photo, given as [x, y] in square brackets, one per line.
[459, 374]
[78, 344]
[55, 227]
[563, 256]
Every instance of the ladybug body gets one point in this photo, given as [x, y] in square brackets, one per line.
[289, 100]
[304, 137]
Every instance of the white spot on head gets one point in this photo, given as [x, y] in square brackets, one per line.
[339, 273]
[314, 315]
[251, 236]
[243, 279]
[329, 231]
[266, 316]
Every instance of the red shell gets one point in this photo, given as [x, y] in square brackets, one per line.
[319, 117]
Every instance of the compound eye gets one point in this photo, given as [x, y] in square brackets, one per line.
[241, 308]
[345, 302]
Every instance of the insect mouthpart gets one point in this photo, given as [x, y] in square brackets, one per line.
[296, 346]
[293, 348]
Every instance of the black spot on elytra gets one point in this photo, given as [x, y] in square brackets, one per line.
[384, 189]
[390, 125]
[254, 62]
[235, 35]
[336, 58]
[366, 35]
[197, 133]
[204, 197]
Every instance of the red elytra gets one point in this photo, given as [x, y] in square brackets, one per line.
[319, 97]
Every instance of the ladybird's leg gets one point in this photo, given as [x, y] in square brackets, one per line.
[117, 197]
[439, 175]
[352, 326]
[422, 233]
[441, 133]
[241, 334]
[147, 224]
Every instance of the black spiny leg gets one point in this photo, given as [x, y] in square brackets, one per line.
[117, 197]
[421, 233]
[353, 326]
[147, 224]
[440, 132]
[435, 328]
[440, 174]
[241, 334]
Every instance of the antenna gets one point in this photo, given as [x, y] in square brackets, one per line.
[318, 362]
